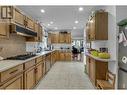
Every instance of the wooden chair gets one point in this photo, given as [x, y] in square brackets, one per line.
[109, 83]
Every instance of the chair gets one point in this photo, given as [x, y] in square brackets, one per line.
[109, 83]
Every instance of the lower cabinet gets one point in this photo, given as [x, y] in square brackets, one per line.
[65, 56]
[48, 62]
[29, 78]
[39, 71]
[96, 69]
[14, 83]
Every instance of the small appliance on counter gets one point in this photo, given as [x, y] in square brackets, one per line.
[103, 49]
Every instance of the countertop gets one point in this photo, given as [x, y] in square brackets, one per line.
[99, 59]
[7, 64]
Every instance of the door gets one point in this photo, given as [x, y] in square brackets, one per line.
[4, 30]
[30, 78]
[39, 71]
[19, 17]
[14, 83]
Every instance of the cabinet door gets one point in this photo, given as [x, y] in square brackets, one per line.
[39, 71]
[87, 64]
[92, 70]
[92, 29]
[68, 38]
[48, 63]
[4, 30]
[14, 83]
[88, 32]
[62, 38]
[36, 27]
[62, 56]
[55, 38]
[68, 56]
[18, 17]
[30, 78]
[30, 23]
[6, 12]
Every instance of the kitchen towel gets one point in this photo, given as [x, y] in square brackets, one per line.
[122, 38]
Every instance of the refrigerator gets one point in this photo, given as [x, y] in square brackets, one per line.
[122, 62]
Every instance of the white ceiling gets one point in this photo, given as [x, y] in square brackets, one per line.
[62, 16]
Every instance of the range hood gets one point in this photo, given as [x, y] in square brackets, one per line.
[23, 31]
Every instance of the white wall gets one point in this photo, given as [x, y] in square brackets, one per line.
[77, 34]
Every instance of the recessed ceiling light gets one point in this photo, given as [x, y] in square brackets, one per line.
[80, 8]
[48, 24]
[51, 22]
[56, 28]
[76, 21]
[42, 10]
[74, 27]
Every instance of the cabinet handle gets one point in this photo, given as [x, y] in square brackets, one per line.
[13, 71]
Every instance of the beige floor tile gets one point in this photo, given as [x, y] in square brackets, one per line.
[66, 75]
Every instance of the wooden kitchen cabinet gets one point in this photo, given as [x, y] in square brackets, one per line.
[97, 27]
[39, 71]
[97, 70]
[68, 56]
[62, 37]
[4, 30]
[68, 38]
[55, 37]
[19, 17]
[30, 23]
[65, 56]
[14, 83]
[29, 78]
[47, 62]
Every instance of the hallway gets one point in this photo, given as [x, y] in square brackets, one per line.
[66, 75]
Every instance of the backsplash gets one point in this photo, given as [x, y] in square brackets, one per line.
[15, 45]
[59, 46]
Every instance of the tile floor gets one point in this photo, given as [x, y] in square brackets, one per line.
[66, 75]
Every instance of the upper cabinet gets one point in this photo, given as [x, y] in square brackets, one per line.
[4, 30]
[14, 16]
[30, 23]
[59, 37]
[97, 27]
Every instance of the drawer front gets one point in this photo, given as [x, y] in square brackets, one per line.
[39, 59]
[11, 72]
[29, 64]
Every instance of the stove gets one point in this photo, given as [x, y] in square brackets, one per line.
[21, 57]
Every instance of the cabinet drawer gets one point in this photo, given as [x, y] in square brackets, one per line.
[39, 59]
[11, 72]
[29, 64]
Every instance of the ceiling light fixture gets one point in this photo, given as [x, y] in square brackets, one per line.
[56, 28]
[48, 24]
[80, 8]
[74, 27]
[51, 22]
[76, 21]
[42, 10]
